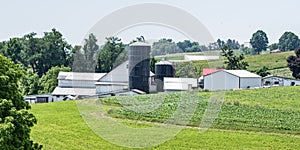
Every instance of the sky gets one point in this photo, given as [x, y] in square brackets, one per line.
[234, 19]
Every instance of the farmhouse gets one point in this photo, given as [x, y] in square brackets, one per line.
[279, 81]
[231, 79]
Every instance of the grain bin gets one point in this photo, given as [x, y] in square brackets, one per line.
[163, 69]
[139, 66]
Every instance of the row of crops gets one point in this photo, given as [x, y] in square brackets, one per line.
[189, 108]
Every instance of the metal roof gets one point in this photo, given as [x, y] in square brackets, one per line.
[80, 76]
[164, 62]
[207, 71]
[242, 73]
[139, 44]
[74, 91]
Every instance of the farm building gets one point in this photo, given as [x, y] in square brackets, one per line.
[42, 98]
[76, 84]
[231, 79]
[206, 71]
[279, 81]
[179, 84]
[117, 81]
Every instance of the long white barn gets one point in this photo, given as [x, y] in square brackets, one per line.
[231, 79]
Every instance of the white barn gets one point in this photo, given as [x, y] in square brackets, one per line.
[179, 84]
[231, 79]
[279, 81]
[76, 84]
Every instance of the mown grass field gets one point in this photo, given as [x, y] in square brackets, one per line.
[249, 119]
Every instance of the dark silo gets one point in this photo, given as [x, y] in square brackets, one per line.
[163, 69]
[139, 66]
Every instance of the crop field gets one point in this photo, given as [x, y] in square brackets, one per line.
[251, 110]
[248, 119]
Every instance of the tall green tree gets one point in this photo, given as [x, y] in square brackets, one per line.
[259, 41]
[233, 62]
[46, 52]
[294, 63]
[90, 50]
[152, 64]
[288, 41]
[32, 51]
[109, 54]
[48, 82]
[13, 49]
[15, 120]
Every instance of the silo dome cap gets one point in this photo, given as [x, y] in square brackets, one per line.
[139, 44]
[164, 62]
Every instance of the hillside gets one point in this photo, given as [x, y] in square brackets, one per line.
[249, 119]
[276, 63]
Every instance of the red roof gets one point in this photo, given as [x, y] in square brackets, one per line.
[207, 71]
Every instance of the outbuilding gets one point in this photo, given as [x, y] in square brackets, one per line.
[231, 79]
[279, 81]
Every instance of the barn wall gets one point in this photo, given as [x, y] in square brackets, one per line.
[104, 89]
[250, 82]
[221, 81]
[119, 74]
[76, 83]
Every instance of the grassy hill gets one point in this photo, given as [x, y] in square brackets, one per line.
[249, 119]
[276, 63]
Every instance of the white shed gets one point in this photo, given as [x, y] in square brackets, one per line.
[179, 84]
[231, 79]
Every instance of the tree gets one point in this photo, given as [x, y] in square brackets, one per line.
[30, 83]
[263, 71]
[233, 62]
[152, 64]
[165, 46]
[90, 50]
[13, 49]
[294, 63]
[46, 52]
[288, 41]
[15, 120]
[110, 54]
[259, 41]
[273, 46]
[188, 46]
[186, 70]
[48, 82]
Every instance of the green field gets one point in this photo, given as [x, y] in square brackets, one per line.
[249, 119]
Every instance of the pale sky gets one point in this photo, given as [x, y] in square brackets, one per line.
[235, 19]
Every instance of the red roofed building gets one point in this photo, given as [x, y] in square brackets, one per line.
[208, 71]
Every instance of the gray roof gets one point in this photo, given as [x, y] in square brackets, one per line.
[242, 73]
[74, 91]
[80, 76]
[164, 62]
[139, 44]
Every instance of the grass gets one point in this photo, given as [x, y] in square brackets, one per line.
[285, 72]
[60, 126]
[272, 61]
